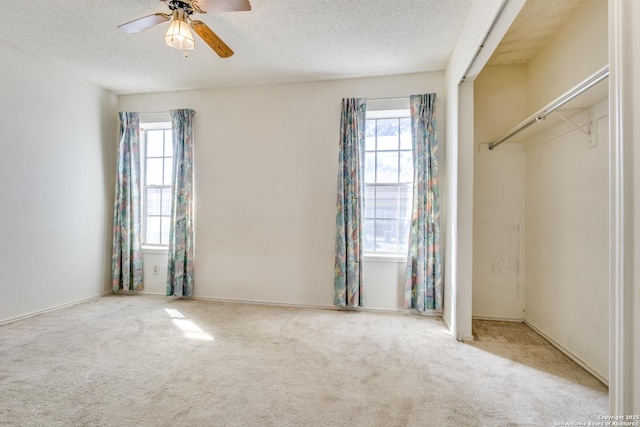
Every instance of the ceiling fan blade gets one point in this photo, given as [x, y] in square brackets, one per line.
[219, 6]
[143, 23]
[211, 39]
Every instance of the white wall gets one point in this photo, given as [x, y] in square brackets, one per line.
[58, 135]
[567, 229]
[498, 233]
[499, 196]
[154, 282]
[464, 224]
[384, 281]
[577, 50]
[265, 171]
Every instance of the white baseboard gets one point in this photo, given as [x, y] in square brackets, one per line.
[259, 302]
[498, 319]
[465, 338]
[430, 313]
[586, 366]
[54, 308]
[153, 294]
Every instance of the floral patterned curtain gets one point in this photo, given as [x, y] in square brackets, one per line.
[423, 287]
[348, 258]
[180, 266]
[126, 260]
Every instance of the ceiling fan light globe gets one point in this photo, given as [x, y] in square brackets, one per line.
[179, 36]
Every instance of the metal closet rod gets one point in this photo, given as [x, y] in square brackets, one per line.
[596, 78]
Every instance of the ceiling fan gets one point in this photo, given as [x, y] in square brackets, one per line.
[178, 34]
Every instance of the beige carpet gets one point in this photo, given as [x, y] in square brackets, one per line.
[133, 361]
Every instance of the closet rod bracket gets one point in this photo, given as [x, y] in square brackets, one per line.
[588, 125]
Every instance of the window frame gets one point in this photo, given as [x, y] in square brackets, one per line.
[144, 128]
[381, 255]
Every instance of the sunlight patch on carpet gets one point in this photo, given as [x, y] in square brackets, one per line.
[190, 329]
[174, 313]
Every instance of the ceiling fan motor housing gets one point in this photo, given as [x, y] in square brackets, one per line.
[188, 6]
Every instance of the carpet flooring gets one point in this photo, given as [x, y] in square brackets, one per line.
[154, 361]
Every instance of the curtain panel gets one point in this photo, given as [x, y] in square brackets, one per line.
[180, 275]
[348, 286]
[126, 260]
[423, 286]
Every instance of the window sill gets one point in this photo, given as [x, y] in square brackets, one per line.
[379, 257]
[155, 249]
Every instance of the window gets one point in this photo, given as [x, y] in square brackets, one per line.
[388, 181]
[157, 169]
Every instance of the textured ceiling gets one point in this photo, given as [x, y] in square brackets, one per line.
[279, 41]
[535, 24]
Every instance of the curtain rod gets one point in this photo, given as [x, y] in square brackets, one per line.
[554, 105]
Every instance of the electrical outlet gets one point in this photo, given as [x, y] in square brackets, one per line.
[156, 270]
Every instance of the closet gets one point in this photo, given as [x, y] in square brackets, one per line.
[541, 187]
